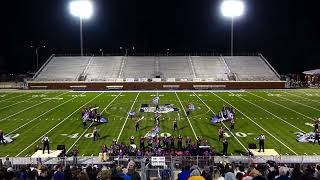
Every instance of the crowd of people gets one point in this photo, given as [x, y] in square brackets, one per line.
[268, 171]
[219, 171]
[59, 172]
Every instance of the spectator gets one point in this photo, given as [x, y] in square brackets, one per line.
[206, 173]
[216, 175]
[83, 176]
[184, 175]
[296, 172]
[283, 174]
[105, 173]
[121, 174]
[134, 175]
[58, 174]
[195, 173]
[7, 163]
[317, 173]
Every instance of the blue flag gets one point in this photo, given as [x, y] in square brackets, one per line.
[104, 120]
[215, 119]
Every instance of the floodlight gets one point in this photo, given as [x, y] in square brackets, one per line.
[81, 8]
[232, 8]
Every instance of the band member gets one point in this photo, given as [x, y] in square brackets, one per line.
[188, 142]
[137, 124]
[172, 142]
[141, 142]
[75, 152]
[150, 140]
[188, 113]
[132, 140]
[261, 139]
[198, 141]
[221, 133]
[45, 141]
[225, 147]
[180, 143]
[95, 133]
[1, 136]
[157, 118]
[232, 124]
[114, 142]
[175, 125]
[317, 137]
[316, 125]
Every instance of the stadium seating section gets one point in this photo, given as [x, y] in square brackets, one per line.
[180, 68]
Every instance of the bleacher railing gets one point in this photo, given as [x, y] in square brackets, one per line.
[41, 68]
[201, 161]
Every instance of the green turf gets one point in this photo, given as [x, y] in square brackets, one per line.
[279, 114]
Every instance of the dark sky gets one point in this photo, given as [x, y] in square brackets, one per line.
[286, 32]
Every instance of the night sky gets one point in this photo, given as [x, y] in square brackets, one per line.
[286, 32]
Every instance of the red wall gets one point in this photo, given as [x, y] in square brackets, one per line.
[159, 85]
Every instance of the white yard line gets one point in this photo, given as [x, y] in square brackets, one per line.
[281, 106]
[15, 97]
[125, 122]
[17, 103]
[257, 124]
[272, 114]
[300, 103]
[41, 115]
[301, 97]
[222, 123]
[92, 123]
[195, 135]
[30, 107]
[57, 125]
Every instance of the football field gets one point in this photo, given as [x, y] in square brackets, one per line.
[280, 114]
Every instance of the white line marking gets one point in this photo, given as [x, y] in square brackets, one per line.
[195, 135]
[92, 122]
[300, 103]
[15, 97]
[281, 105]
[41, 115]
[257, 124]
[301, 97]
[17, 103]
[57, 125]
[273, 114]
[125, 122]
[29, 108]
[222, 123]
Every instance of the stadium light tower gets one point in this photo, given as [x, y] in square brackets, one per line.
[232, 9]
[37, 54]
[84, 10]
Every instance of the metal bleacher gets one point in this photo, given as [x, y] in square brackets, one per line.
[181, 68]
[250, 68]
[210, 67]
[103, 68]
[175, 67]
[63, 69]
[138, 67]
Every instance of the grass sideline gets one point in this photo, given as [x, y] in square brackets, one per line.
[279, 114]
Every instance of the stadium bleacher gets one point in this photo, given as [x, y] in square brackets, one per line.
[103, 68]
[63, 69]
[182, 68]
[250, 68]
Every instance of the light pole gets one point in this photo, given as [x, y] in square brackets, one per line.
[232, 9]
[37, 54]
[84, 10]
[126, 49]
[101, 52]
